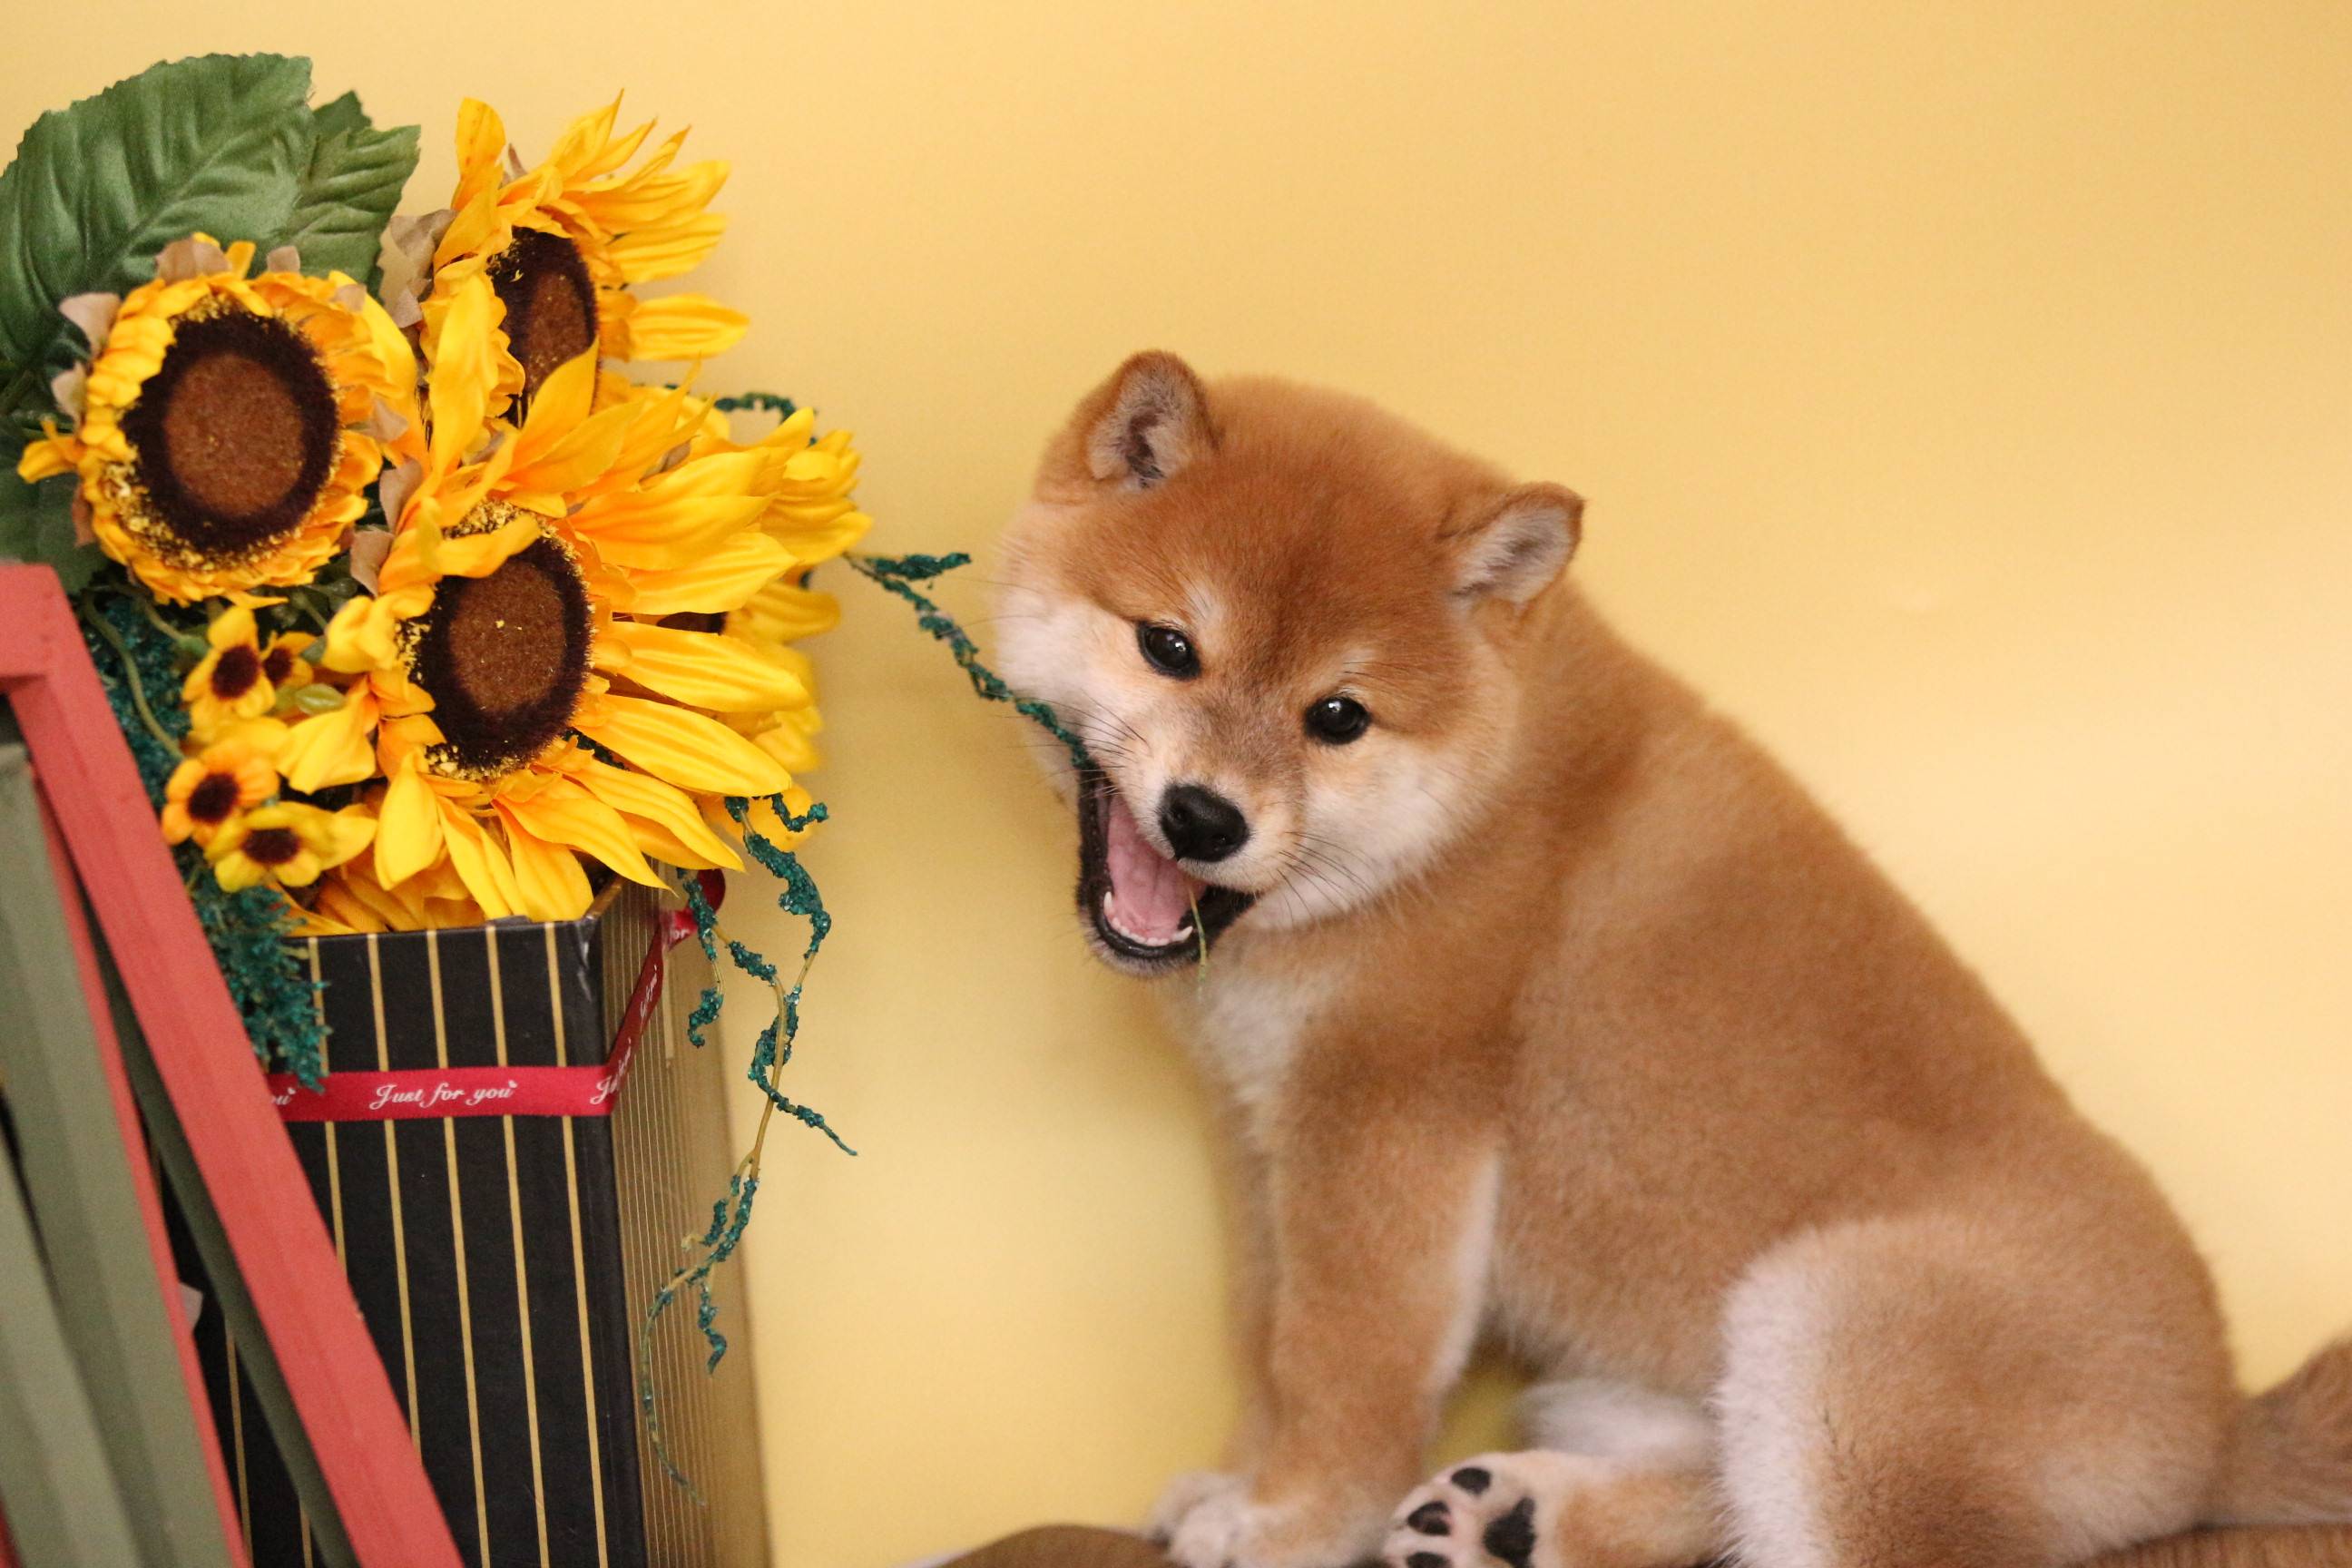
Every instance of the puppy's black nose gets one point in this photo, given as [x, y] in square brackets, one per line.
[1200, 824]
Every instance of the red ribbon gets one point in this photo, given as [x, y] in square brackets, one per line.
[421, 1093]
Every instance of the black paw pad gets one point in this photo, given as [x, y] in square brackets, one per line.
[1431, 1519]
[1472, 1478]
[1424, 1560]
[1512, 1537]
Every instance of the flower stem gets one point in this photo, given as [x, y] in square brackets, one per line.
[147, 608]
[130, 676]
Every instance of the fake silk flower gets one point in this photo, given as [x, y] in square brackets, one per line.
[227, 424]
[290, 844]
[206, 792]
[516, 637]
[564, 241]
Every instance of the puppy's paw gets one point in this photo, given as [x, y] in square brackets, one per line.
[1227, 1528]
[1224, 1529]
[1497, 1511]
[1182, 1497]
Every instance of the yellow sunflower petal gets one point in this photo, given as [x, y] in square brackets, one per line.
[341, 835]
[703, 669]
[231, 627]
[337, 747]
[481, 147]
[54, 455]
[586, 141]
[480, 863]
[664, 821]
[686, 749]
[650, 255]
[549, 882]
[333, 911]
[360, 636]
[652, 195]
[662, 530]
[792, 744]
[408, 835]
[677, 327]
[473, 375]
[565, 813]
[721, 580]
[479, 554]
[562, 448]
[782, 613]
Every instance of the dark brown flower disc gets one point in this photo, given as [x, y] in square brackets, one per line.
[236, 672]
[271, 846]
[235, 433]
[214, 797]
[551, 302]
[505, 658]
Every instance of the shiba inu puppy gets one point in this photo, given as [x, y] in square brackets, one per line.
[1545, 1006]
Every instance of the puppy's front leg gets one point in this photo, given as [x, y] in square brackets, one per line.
[1382, 1219]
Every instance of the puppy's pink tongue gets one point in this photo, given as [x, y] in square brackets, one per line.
[1151, 896]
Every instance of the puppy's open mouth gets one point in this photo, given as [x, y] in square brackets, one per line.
[1146, 909]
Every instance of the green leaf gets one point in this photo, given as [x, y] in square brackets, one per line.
[349, 190]
[36, 524]
[219, 143]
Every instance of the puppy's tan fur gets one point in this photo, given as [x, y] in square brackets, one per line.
[1564, 1015]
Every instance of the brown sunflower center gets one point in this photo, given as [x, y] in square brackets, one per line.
[505, 658]
[213, 798]
[235, 433]
[271, 846]
[234, 672]
[551, 302]
[278, 664]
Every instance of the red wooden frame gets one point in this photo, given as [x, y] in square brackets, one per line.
[90, 785]
[142, 1180]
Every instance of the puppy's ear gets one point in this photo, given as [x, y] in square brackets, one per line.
[1146, 423]
[1514, 547]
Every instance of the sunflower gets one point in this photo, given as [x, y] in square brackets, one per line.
[227, 424]
[497, 673]
[562, 243]
[206, 793]
[231, 682]
[287, 844]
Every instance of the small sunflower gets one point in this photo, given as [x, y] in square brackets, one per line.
[282, 664]
[227, 424]
[496, 673]
[231, 682]
[289, 844]
[562, 243]
[206, 793]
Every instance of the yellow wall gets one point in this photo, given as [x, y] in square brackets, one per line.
[1964, 396]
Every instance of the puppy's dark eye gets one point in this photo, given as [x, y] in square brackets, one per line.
[1168, 650]
[1336, 721]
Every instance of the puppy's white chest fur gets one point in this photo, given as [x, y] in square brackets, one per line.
[1245, 1027]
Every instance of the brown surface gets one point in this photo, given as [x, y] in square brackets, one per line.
[2328, 1546]
[1066, 1546]
[1079, 1546]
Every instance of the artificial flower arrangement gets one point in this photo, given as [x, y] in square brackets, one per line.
[420, 610]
